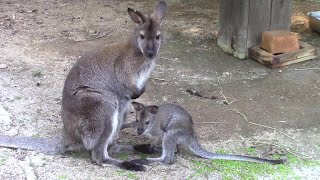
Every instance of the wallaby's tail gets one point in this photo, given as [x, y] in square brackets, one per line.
[199, 151]
[44, 145]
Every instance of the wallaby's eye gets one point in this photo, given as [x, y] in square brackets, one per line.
[147, 122]
[158, 37]
[141, 36]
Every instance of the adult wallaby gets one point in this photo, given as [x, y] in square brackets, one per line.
[170, 125]
[99, 88]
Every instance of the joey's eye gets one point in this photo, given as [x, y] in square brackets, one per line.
[141, 36]
[158, 37]
[147, 122]
[136, 120]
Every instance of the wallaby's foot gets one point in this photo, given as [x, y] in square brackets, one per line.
[144, 148]
[131, 166]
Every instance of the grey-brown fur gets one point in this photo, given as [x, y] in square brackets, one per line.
[169, 125]
[99, 89]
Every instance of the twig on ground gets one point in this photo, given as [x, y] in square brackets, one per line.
[260, 139]
[261, 125]
[304, 69]
[295, 153]
[170, 59]
[211, 123]
[246, 119]
[99, 37]
[159, 79]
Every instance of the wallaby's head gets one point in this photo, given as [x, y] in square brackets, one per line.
[147, 35]
[145, 117]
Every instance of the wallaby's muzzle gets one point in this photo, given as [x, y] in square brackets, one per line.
[140, 131]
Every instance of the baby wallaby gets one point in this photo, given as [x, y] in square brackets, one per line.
[99, 88]
[170, 125]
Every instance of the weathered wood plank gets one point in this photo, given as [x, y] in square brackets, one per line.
[305, 53]
[239, 22]
[301, 53]
[224, 38]
[281, 14]
[259, 20]
[294, 61]
[261, 55]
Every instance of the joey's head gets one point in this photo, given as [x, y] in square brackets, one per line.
[147, 36]
[145, 117]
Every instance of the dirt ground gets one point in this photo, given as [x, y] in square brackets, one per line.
[40, 40]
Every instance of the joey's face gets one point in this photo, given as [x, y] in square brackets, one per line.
[145, 117]
[144, 121]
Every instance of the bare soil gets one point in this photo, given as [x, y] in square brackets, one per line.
[40, 41]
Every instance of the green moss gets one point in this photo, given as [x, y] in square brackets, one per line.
[241, 170]
[143, 156]
[227, 49]
[251, 151]
[2, 161]
[239, 55]
[62, 177]
[246, 170]
[37, 73]
[123, 156]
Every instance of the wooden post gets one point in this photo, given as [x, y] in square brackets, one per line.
[242, 22]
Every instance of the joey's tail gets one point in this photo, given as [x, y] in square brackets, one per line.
[199, 151]
[44, 145]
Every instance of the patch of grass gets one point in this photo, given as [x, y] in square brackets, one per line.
[240, 170]
[251, 150]
[79, 154]
[62, 177]
[18, 97]
[246, 170]
[37, 73]
[123, 156]
[127, 174]
[143, 156]
[296, 161]
[35, 136]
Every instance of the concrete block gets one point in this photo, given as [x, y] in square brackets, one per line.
[276, 42]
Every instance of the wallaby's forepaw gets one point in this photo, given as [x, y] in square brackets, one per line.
[131, 166]
[144, 148]
[140, 161]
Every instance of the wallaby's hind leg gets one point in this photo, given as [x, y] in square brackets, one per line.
[94, 122]
[100, 154]
[169, 144]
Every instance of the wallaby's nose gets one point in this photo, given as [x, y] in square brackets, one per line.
[140, 131]
[150, 53]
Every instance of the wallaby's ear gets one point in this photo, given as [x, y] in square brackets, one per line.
[136, 16]
[153, 109]
[160, 10]
[137, 106]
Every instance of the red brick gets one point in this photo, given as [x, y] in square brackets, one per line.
[277, 42]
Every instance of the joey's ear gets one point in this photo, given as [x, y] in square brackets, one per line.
[137, 106]
[136, 16]
[160, 10]
[153, 109]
